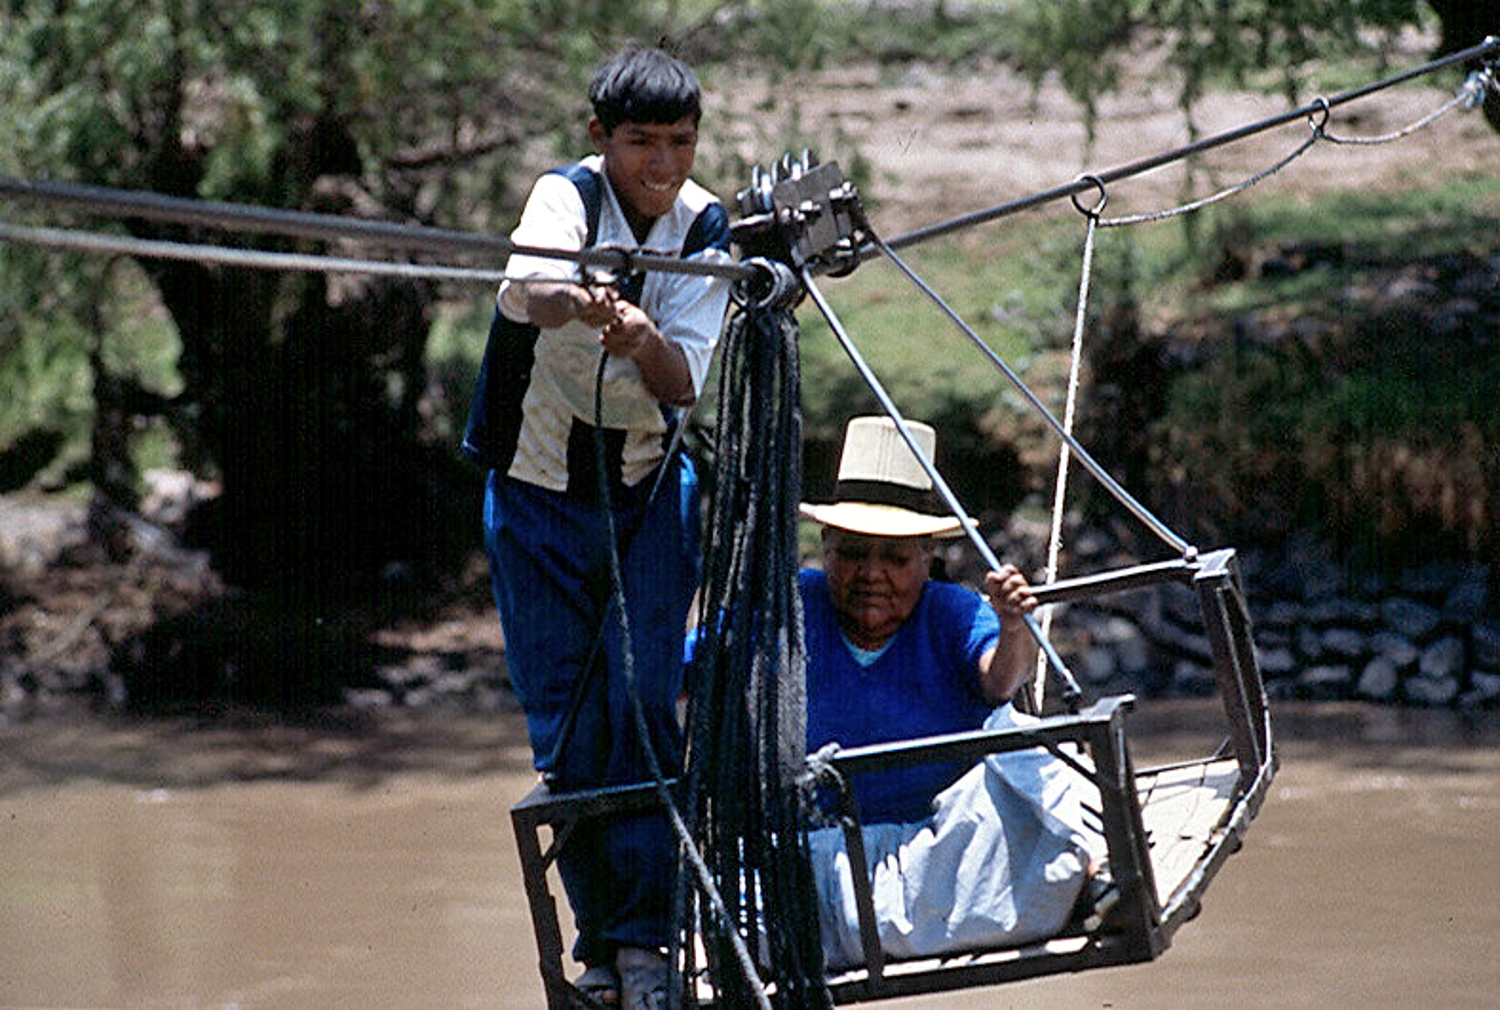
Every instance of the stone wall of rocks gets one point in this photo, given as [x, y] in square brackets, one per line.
[1428, 637]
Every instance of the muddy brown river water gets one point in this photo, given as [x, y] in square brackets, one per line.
[171, 865]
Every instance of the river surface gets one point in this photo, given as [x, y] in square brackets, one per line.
[170, 864]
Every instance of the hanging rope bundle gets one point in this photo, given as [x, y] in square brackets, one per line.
[747, 716]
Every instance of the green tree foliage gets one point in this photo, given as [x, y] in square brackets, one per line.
[303, 394]
[300, 392]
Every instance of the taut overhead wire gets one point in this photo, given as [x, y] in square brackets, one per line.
[1490, 47]
[141, 205]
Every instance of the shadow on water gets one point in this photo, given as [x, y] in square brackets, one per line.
[359, 748]
[363, 746]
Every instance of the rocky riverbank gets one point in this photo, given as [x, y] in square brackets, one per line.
[1426, 637]
[77, 614]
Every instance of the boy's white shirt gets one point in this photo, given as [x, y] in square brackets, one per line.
[687, 309]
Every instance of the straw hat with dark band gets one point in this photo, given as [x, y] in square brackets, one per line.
[882, 489]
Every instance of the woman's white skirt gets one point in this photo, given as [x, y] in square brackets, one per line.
[1000, 863]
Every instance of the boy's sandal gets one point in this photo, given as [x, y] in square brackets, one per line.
[600, 986]
[1104, 901]
[645, 979]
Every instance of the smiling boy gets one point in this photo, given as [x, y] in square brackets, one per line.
[533, 426]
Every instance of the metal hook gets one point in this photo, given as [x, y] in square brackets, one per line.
[1098, 207]
[1320, 104]
[772, 285]
[606, 275]
[1477, 85]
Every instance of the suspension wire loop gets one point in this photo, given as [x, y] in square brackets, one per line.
[1489, 47]
[686, 846]
[1075, 367]
[1317, 119]
[137, 204]
[1085, 459]
[970, 527]
[1223, 194]
[1092, 213]
[1463, 96]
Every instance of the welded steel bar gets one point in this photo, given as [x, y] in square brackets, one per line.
[1085, 459]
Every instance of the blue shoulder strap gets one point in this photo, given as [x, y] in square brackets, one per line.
[495, 411]
[710, 230]
[591, 188]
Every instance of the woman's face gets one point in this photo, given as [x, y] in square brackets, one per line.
[875, 582]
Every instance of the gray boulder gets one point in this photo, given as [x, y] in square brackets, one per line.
[1444, 659]
[1378, 681]
[1411, 618]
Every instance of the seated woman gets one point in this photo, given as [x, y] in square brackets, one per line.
[961, 857]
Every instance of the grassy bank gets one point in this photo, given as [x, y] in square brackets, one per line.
[1287, 362]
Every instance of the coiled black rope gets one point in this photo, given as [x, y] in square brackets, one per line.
[686, 847]
[747, 735]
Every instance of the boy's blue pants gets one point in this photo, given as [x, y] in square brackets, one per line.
[550, 573]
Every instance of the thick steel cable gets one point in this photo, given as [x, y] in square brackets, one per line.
[114, 202]
[301, 224]
[123, 245]
[236, 217]
[1469, 94]
[1487, 49]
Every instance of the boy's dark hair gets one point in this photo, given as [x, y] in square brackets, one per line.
[645, 86]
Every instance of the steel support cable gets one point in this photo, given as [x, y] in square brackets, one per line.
[253, 259]
[970, 527]
[1469, 94]
[229, 256]
[1085, 459]
[302, 224]
[1487, 49]
[235, 217]
[1223, 194]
